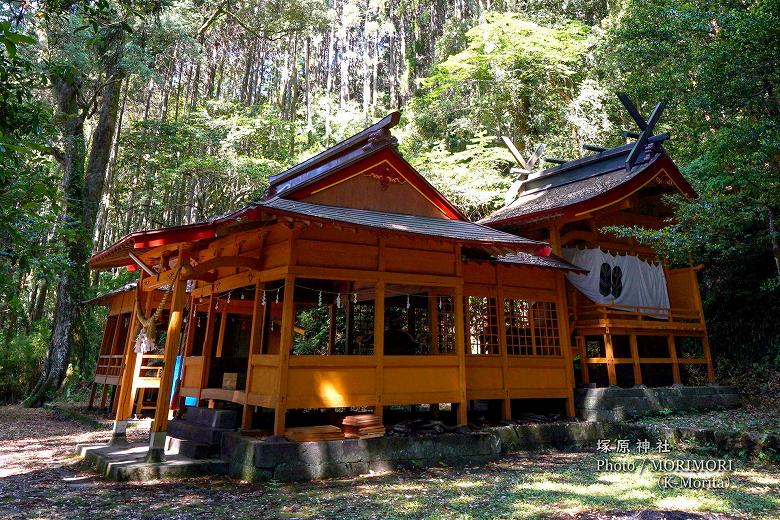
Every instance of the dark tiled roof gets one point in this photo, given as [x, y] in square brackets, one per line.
[552, 261]
[462, 231]
[578, 181]
[337, 156]
[561, 196]
[102, 299]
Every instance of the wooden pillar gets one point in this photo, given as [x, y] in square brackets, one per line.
[705, 344]
[635, 359]
[705, 340]
[433, 318]
[113, 401]
[223, 319]
[584, 370]
[115, 338]
[189, 339]
[562, 313]
[331, 329]
[103, 397]
[285, 344]
[208, 342]
[675, 363]
[460, 349]
[506, 406]
[379, 346]
[130, 366]
[255, 343]
[159, 427]
[92, 396]
[611, 375]
[349, 319]
[141, 396]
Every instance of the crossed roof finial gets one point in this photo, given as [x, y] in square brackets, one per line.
[525, 169]
[646, 127]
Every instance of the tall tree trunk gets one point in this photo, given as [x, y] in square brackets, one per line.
[40, 300]
[82, 188]
[70, 286]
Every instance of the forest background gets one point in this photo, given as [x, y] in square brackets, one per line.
[119, 115]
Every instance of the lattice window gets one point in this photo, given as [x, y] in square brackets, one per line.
[363, 328]
[482, 325]
[519, 338]
[546, 333]
[531, 328]
[446, 324]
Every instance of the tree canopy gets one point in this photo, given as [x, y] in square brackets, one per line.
[117, 116]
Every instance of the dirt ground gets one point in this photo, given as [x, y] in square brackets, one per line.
[39, 478]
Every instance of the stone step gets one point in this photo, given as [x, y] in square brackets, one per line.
[191, 449]
[212, 417]
[199, 433]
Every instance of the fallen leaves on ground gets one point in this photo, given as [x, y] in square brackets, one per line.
[41, 479]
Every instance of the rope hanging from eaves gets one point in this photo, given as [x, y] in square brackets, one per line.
[144, 343]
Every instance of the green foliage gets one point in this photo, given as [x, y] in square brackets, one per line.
[471, 178]
[515, 77]
[717, 66]
[20, 362]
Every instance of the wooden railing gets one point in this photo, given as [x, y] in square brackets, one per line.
[149, 370]
[591, 314]
[109, 365]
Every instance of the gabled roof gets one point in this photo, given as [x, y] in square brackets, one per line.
[462, 231]
[326, 168]
[313, 166]
[590, 182]
[456, 230]
[337, 159]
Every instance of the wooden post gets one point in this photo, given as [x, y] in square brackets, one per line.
[208, 342]
[285, 344]
[223, 319]
[92, 395]
[255, 342]
[433, 318]
[705, 340]
[635, 359]
[584, 370]
[506, 407]
[460, 349]
[113, 400]
[565, 338]
[610, 359]
[675, 364]
[124, 405]
[115, 337]
[103, 397]
[159, 427]
[331, 329]
[705, 343]
[379, 346]
[141, 397]
[350, 322]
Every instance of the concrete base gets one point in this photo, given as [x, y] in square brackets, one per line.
[617, 404]
[259, 460]
[126, 462]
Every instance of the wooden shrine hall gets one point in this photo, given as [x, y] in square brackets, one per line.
[634, 320]
[114, 349]
[354, 283]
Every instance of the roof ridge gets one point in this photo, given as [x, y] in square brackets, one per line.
[387, 122]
